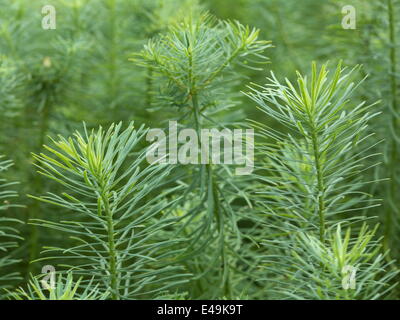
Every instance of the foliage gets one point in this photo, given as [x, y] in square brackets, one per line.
[314, 182]
[193, 65]
[63, 290]
[320, 202]
[324, 269]
[9, 234]
[121, 243]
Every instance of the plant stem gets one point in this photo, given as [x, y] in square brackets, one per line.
[320, 189]
[112, 264]
[206, 173]
[35, 208]
[149, 87]
[196, 110]
[320, 180]
[393, 111]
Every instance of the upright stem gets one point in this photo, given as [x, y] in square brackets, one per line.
[112, 262]
[196, 112]
[393, 56]
[320, 180]
[149, 87]
[394, 122]
[207, 174]
[35, 208]
[320, 188]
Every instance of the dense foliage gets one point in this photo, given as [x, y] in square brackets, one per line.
[84, 215]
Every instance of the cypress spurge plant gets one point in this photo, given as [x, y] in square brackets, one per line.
[193, 65]
[122, 242]
[161, 15]
[312, 180]
[344, 267]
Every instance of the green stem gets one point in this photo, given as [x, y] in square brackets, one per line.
[393, 54]
[393, 162]
[206, 169]
[320, 179]
[320, 189]
[35, 208]
[112, 263]
[206, 172]
[149, 87]
[196, 111]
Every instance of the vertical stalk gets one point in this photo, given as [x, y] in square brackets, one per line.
[149, 87]
[393, 111]
[112, 263]
[196, 111]
[320, 179]
[196, 115]
[393, 55]
[35, 208]
[206, 173]
[320, 189]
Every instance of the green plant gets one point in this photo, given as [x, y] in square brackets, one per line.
[9, 233]
[324, 270]
[314, 183]
[121, 239]
[115, 226]
[63, 290]
[193, 65]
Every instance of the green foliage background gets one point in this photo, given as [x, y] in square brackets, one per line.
[124, 230]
